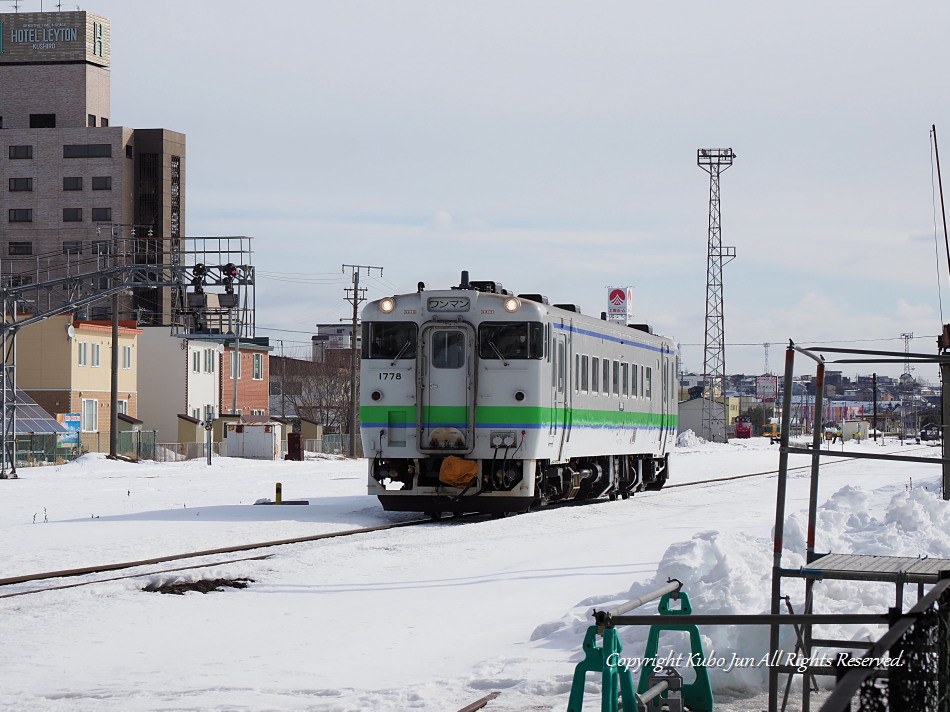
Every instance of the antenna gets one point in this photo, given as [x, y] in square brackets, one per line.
[714, 161]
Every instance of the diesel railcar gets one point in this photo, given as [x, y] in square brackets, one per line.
[474, 399]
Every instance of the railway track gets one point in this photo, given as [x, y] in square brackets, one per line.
[92, 570]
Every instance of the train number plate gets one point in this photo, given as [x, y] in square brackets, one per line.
[448, 304]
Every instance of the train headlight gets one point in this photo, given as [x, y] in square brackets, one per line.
[512, 304]
[387, 305]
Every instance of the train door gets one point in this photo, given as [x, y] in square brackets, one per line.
[665, 398]
[557, 433]
[446, 388]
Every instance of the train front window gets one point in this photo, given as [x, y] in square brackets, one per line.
[389, 339]
[448, 349]
[511, 340]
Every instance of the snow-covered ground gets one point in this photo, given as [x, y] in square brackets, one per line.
[422, 618]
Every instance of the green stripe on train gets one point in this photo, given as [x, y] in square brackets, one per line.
[510, 416]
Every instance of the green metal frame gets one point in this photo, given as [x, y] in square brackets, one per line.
[618, 681]
[696, 695]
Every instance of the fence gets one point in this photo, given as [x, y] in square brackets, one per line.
[134, 444]
[41, 449]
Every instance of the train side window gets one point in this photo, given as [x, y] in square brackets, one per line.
[585, 363]
[635, 380]
[577, 371]
[616, 378]
[594, 375]
[606, 381]
[625, 377]
[389, 339]
[647, 383]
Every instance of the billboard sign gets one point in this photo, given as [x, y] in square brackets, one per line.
[71, 422]
[31, 37]
[766, 388]
[619, 304]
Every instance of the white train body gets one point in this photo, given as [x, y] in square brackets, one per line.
[474, 400]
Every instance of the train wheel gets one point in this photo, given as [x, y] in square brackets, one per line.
[434, 516]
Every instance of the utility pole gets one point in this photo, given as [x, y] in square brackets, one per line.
[714, 161]
[355, 295]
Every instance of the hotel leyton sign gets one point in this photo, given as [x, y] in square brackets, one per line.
[37, 37]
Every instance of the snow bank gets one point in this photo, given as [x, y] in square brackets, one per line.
[730, 573]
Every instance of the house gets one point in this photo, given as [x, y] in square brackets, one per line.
[64, 364]
[180, 376]
[245, 363]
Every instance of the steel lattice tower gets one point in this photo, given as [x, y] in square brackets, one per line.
[714, 161]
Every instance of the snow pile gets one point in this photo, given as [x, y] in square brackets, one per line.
[688, 439]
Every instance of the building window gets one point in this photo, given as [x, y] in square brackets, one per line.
[196, 413]
[83, 350]
[88, 150]
[72, 247]
[72, 214]
[42, 121]
[257, 371]
[21, 184]
[101, 247]
[91, 120]
[129, 151]
[235, 365]
[126, 357]
[21, 280]
[21, 215]
[196, 361]
[21, 152]
[90, 415]
[122, 406]
[104, 121]
[21, 249]
[101, 214]
[95, 355]
[102, 183]
[72, 183]
[209, 360]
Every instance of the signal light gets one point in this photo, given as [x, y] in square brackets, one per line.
[229, 272]
[199, 270]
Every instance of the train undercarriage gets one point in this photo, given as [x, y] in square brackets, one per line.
[499, 486]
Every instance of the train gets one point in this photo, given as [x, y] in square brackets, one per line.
[475, 399]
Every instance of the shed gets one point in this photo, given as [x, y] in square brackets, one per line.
[256, 441]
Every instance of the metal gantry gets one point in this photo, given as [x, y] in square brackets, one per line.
[714, 161]
[46, 285]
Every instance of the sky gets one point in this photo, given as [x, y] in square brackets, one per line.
[551, 146]
[421, 618]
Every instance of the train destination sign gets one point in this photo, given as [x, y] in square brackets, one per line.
[448, 304]
[36, 37]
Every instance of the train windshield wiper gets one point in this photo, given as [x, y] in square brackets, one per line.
[401, 352]
[497, 353]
